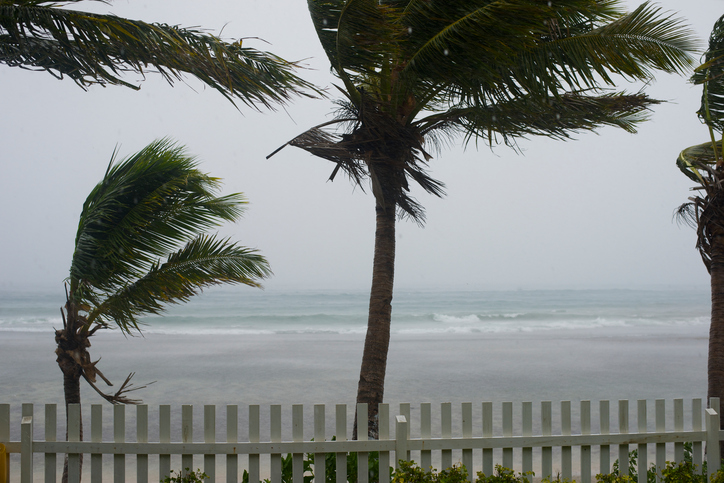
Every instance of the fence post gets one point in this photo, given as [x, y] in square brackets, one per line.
[26, 449]
[401, 440]
[713, 462]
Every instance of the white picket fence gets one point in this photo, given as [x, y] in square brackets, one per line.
[485, 438]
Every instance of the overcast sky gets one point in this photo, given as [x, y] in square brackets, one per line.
[593, 212]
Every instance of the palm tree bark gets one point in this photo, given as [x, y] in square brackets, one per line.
[716, 329]
[374, 358]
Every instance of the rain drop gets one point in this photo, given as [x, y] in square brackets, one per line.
[324, 22]
[409, 30]
[494, 118]
[550, 4]
[558, 117]
[445, 52]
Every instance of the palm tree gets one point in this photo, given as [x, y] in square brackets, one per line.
[704, 164]
[142, 244]
[98, 49]
[418, 73]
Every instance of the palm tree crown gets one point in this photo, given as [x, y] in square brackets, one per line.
[97, 49]
[415, 74]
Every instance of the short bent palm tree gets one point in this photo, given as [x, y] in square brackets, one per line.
[416, 73]
[704, 164]
[142, 244]
[97, 49]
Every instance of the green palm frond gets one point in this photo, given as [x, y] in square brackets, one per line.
[98, 49]
[203, 262]
[695, 159]
[147, 206]
[711, 75]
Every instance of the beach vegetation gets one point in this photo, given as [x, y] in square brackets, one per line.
[415, 76]
[92, 48]
[144, 242]
[187, 476]
[704, 165]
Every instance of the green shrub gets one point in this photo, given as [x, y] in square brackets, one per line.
[190, 477]
[504, 475]
[409, 472]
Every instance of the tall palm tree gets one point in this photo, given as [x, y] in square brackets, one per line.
[98, 49]
[417, 73]
[142, 244]
[704, 164]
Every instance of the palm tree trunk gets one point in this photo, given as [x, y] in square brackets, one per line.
[716, 329]
[374, 358]
[71, 386]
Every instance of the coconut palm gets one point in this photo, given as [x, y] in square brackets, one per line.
[704, 164]
[417, 73]
[142, 244]
[98, 49]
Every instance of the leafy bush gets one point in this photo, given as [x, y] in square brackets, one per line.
[190, 477]
[409, 472]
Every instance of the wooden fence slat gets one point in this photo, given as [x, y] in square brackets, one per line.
[341, 429]
[254, 437]
[119, 436]
[74, 424]
[405, 411]
[696, 447]
[142, 437]
[642, 422]
[527, 417]
[96, 436]
[362, 460]
[586, 450]
[604, 418]
[164, 432]
[678, 426]
[426, 432]
[319, 435]
[508, 431]
[26, 456]
[210, 437]
[275, 420]
[660, 428]
[187, 436]
[488, 433]
[232, 436]
[5, 436]
[384, 415]
[566, 451]
[298, 435]
[546, 415]
[446, 429]
[51, 434]
[401, 430]
[712, 440]
[623, 428]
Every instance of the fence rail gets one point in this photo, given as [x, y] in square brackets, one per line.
[495, 439]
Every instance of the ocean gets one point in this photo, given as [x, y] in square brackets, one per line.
[245, 346]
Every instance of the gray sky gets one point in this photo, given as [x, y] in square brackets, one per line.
[594, 212]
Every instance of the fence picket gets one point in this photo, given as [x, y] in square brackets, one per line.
[642, 422]
[446, 429]
[678, 426]
[586, 450]
[119, 436]
[298, 435]
[164, 432]
[696, 447]
[97, 436]
[566, 451]
[425, 433]
[508, 432]
[319, 435]
[254, 437]
[488, 433]
[660, 428]
[210, 437]
[275, 421]
[604, 418]
[51, 434]
[142, 437]
[341, 429]
[467, 413]
[362, 460]
[232, 436]
[623, 427]
[74, 428]
[527, 415]
[384, 417]
[546, 412]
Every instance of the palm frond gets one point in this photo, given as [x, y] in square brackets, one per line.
[98, 49]
[205, 261]
[146, 206]
[711, 75]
